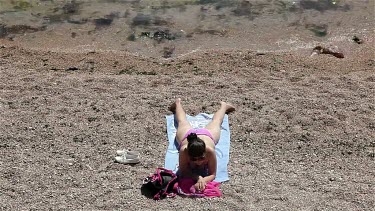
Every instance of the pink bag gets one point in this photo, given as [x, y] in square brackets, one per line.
[161, 184]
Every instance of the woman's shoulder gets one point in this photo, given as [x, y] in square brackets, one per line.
[210, 149]
[183, 147]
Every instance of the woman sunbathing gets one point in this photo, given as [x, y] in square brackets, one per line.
[197, 157]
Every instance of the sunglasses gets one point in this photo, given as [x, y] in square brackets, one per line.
[198, 158]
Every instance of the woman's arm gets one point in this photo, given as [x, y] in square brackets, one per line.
[212, 162]
[212, 165]
[183, 166]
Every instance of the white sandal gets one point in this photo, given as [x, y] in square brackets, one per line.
[124, 151]
[124, 160]
[127, 157]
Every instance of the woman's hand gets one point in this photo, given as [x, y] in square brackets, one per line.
[200, 185]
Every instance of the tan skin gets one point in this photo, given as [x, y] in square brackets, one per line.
[209, 157]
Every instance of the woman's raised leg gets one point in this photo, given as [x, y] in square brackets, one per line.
[180, 115]
[215, 125]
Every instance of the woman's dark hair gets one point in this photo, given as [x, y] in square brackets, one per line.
[196, 146]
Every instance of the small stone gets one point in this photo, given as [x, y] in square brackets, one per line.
[332, 50]
[72, 69]
[357, 40]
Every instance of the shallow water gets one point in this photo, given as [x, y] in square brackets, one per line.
[173, 28]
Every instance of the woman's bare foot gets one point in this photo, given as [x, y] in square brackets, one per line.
[228, 107]
[173, 106]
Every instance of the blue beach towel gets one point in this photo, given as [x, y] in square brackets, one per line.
[200, 121]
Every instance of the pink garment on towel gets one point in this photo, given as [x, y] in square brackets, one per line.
[186, 187]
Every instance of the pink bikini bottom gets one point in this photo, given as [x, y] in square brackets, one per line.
[200, 131]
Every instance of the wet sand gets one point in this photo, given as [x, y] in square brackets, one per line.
[174, 28]
[302, 137]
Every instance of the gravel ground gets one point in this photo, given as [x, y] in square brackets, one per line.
[302, 137]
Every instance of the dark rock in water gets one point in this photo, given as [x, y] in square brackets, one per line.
[207, 1]
[77, 21]
[163, 35]
[322, 50]
[159, 35]
[131, 37]
[322, 5]
[319, 30]
[100, 22]
[357, 40]
[141, 19]
[318, 5]
[145, 34]
[71, 7]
